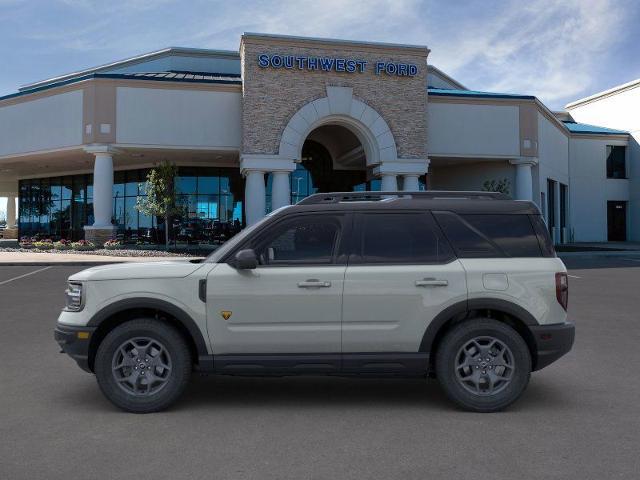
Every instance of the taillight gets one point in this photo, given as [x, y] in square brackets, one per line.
[562, 289]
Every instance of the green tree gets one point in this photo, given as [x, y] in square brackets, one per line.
[501, 186]
[160, 199]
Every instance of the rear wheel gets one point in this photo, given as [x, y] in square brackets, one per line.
[483, 365]
[143, 365]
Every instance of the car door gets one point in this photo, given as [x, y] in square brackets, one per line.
[401, 274]
[291, 303]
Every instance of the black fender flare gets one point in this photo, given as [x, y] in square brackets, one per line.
[154, 304]
[461, 309]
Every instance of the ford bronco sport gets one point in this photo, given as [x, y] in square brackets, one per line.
[463, 286]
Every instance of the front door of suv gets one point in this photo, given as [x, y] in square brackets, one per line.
[291, 303]
[401, 274]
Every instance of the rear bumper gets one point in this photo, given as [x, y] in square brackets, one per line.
[73, 344]
[552, 342]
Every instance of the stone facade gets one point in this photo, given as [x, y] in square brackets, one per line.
[98, 236]
[272, 96]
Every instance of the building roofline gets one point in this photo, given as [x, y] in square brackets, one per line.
[448, 78]
[605, 93]
[336, 41]
[132, 61]
[445, 92]
[119, 76]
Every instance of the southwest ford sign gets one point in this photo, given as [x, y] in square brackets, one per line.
[333, 64]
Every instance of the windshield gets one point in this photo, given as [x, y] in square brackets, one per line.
[226, 247]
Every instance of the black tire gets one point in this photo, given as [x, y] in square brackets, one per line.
[451, 356]
[174, 357]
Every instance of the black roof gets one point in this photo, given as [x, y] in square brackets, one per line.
[433, 200]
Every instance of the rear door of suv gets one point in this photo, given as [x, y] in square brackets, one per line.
[401, 274]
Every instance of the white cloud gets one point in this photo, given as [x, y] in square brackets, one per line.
[549, 48]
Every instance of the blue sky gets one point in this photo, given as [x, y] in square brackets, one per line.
[557, 50]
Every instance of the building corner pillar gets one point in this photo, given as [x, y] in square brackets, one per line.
[102, 228]
[524, 177]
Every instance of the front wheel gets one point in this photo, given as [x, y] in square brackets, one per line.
[483, 365]
[143, 365]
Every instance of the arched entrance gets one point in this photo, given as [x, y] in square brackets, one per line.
[334, 143]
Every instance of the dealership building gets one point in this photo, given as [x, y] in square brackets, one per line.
[284, 117]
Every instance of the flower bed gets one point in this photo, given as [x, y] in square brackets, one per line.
[113, 245]
[62, 245]
[83, 246]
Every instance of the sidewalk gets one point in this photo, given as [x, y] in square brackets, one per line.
[45, 259]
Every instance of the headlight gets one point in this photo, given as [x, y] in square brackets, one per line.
[73, 297]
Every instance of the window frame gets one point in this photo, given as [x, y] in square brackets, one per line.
[608, 151]
[357, 239]
[340, 249]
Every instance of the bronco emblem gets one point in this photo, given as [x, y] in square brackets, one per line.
[226, 314]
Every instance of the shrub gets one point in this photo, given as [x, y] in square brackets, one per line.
[112, 244]
[26, 242]
[83, 245]
[43, 244]
[62, 245]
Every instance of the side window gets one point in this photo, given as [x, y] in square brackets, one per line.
[409, 238]
[487, 235]
[300, 240]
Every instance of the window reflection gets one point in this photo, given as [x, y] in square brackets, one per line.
[211, 200]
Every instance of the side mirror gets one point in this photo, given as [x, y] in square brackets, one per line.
[245, 260]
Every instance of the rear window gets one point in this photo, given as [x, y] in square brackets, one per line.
[544, 239]
[490, 235]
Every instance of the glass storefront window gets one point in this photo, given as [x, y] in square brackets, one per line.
[60, 207]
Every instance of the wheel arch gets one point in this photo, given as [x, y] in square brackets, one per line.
[121, 311]
[502, 310]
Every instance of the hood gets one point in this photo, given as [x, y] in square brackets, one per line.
[131, 271]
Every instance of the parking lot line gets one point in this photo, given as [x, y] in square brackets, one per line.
[573, 276]
[25, 275]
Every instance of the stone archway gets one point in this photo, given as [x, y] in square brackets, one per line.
[339, 107]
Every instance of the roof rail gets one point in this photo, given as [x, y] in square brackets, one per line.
[338, 197]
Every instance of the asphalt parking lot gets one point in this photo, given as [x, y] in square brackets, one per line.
[579, 419]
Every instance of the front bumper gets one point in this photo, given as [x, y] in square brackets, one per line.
[75, 341]
[552, 342]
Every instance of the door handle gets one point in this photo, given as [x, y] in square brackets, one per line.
[431, 282]
[313, 283]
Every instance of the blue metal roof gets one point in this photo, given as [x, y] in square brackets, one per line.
[445, 92]
[188, 77]
[575, 127]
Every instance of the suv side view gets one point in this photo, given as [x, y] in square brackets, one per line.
[463, 286]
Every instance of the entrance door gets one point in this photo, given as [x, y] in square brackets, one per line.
[291, 303]
[617, 221]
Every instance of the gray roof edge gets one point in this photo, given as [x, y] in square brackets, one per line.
[447, 77]
[132, 61]
[337, 41]
[605, 93]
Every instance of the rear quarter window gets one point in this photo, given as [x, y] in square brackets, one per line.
[490, 235]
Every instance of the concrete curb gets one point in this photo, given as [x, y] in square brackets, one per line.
[609, 253]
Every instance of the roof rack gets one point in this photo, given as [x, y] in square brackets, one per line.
[338, 197]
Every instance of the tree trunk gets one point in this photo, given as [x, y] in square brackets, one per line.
[166, 232]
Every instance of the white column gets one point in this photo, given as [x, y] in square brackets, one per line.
[254, 196]
[11, 211]
[524, 178]
[411, 183]
[389, 183]
[103, 190]
[280, 190]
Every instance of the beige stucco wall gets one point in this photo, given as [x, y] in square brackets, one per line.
[46, 123]
[272, 96]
